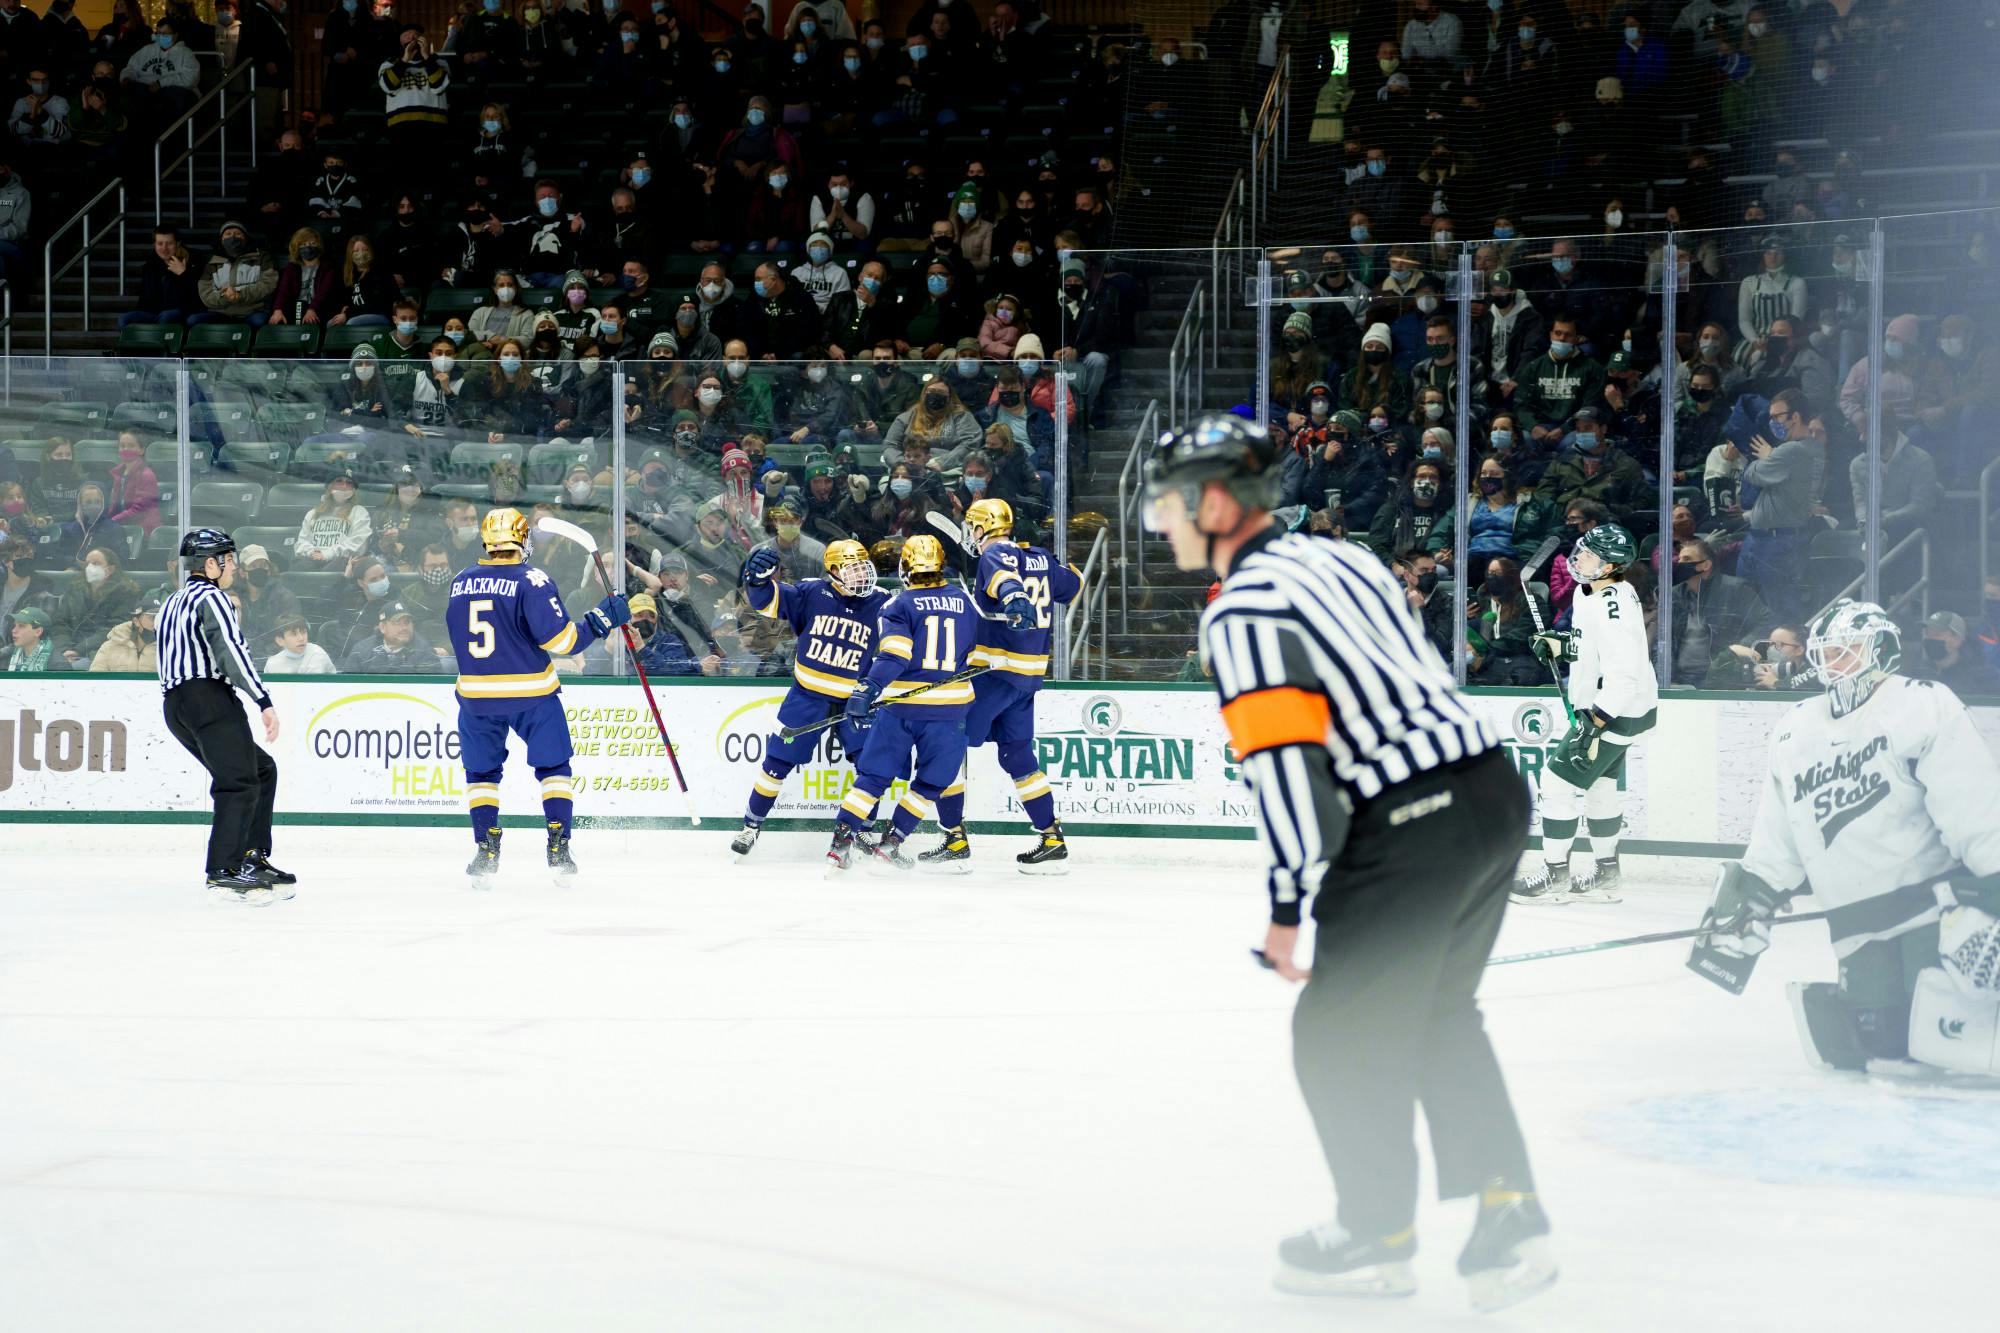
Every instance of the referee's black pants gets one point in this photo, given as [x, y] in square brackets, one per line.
[207, 720]
[1407, 918]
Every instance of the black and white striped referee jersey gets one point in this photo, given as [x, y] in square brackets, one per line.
[1330, 691]
[200, 639]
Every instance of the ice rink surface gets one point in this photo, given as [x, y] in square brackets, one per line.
[689, 1095]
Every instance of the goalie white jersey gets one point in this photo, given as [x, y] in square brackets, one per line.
[1891, 797]
[1613, 671]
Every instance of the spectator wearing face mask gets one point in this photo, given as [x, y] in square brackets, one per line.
[133, 495]
[1503, 518]
[1549, 389]
[1039, 374]
[1902, 352]
[1439, 368]
[88, 611]
[1711, 611]
[819, 402]
[1409, 518]
[1516, 333]
[1343, 479]
[266, 599]
[359, 396]
[844, 213]
[1296, 366]
[1952, 658]
[1965, 383]
[1911, 493]
[334, 530]
[1698, 425]
[940, 422]
[779, 321]
[240, 279]
[1771, 293]
[308, 290]
[93, 526]
[1502, 626]
[1595, 471]
[1374, 383]
[820, 277]
[163, 75]
[506, 317]
[1778, 663]
[1787, 466]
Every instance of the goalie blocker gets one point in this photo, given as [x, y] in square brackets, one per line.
[1929, 994]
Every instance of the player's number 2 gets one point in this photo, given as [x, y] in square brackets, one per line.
[481, 633]
[932, 662]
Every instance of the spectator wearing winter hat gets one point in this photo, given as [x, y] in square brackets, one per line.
[266, 599]
[676, 634]
[1296, 365]
[1374, 382]
[1039, 374]
[1005, 325]
[970, 378]
[800, 556]
[240, 279]
[971, 228]
[1902, 352]
[133, 645]
[821, 277]
[821, 504]
[359, 396]
[1086, 331]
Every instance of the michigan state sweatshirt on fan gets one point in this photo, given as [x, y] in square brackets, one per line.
[506, 619]
[1007, 571]
[836, 633]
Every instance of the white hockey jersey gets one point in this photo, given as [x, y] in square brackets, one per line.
[1613, 671]
[1873, 808]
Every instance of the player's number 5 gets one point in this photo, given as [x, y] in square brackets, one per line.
[481, 632]
[932, 662]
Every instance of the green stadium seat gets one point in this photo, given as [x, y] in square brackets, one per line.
[290, 423]
[217, 340]
[95, 456]
[72, 418]
[151, 339]
[289, 500]
[230, 503]
[256, 456]
[287, 340]
[443, 302]
[146, 418]
[342, 339]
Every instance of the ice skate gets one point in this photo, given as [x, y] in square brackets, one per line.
[841, 854]
[1326, 1261]
[1508, 1258]
[269, 872]
[745, 840]
[243, 885]
[1600, 886]
[887, 856]
[1050, 856]
[1542, 883]
[953, 856]
[562, 866]
[485, 862]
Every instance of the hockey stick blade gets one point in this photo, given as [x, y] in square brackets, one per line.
[946, 527]
[1529, 569]
[793, 733]
[1533, 564]
[1658, 937]
[555, 527]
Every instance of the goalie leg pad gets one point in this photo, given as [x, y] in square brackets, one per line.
[1953, 1028]
[1837, 1033]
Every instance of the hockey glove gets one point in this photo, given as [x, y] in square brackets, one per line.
[1736, 928]
[1968, 945]
[1020, 613]
[761, 565]
[1579, 747]
[1556, 645]
[608, 615]
[859, 702]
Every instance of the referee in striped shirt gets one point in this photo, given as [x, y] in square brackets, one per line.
[1375, 784]
[202, 654]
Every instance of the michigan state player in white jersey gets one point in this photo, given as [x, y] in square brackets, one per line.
[1881, 801]
[1615, 699]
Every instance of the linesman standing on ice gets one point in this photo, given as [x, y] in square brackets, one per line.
[1374, 783]
[202, 654]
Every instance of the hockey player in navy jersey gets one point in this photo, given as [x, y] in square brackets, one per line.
[927, 634]
[834, 619]
[506, 619]
[1014, 590]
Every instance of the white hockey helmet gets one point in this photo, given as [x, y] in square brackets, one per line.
[1854, 646]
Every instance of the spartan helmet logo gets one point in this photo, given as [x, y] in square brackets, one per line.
[1534, 723]
[1102, 716]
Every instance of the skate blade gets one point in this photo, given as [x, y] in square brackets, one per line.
[1376, 1281]
[254, 898]
[1595, 896]
[945, 867]
[1043, 867]
[1539, 899]
[562, 879]
[1498, 1288]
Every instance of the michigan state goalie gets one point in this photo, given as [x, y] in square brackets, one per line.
[1883, 803]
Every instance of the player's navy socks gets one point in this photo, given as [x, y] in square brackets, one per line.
[764, 791]
[558, 802]
[857, 809]
[482, 801]
[910, 812]
[1037, 799]
[951, 806]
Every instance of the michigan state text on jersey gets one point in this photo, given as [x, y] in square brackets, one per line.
[1015, 589]
[505, 619]
[835, 621]
[927, 633]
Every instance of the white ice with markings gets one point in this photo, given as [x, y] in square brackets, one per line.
[685, 1094]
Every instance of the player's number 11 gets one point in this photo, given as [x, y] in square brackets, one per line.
[932, 662]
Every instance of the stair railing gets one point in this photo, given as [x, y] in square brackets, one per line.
[1185, 358]
[1270, 138]
[1089, 613]
[218, 97]
[87, 242]
[1131, 495]
[1225, 265]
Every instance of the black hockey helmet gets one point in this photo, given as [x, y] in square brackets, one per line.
[1223, 448]
[201, 545]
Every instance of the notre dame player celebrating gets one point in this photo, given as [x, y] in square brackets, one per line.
[1615, 698]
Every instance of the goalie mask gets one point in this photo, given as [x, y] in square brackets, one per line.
[849, 568]
[1602, 552]
[1854, 646]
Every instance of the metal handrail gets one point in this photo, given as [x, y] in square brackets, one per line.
[1131, 494]
[1270, 126]
[1921, 588]
[1090, 610]
[1222, 262]
[1184, 359]
[219, 94]
[50, 273]
[1986, 475]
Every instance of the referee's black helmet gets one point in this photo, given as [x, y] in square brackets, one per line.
[1239, 454]
[201, 545]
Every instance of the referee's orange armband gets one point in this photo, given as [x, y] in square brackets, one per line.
[1267, 719]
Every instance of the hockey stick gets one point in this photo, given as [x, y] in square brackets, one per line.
[946, 527]
[557, 528]
[1659, 937]
[793, 733]
[1528, 570]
